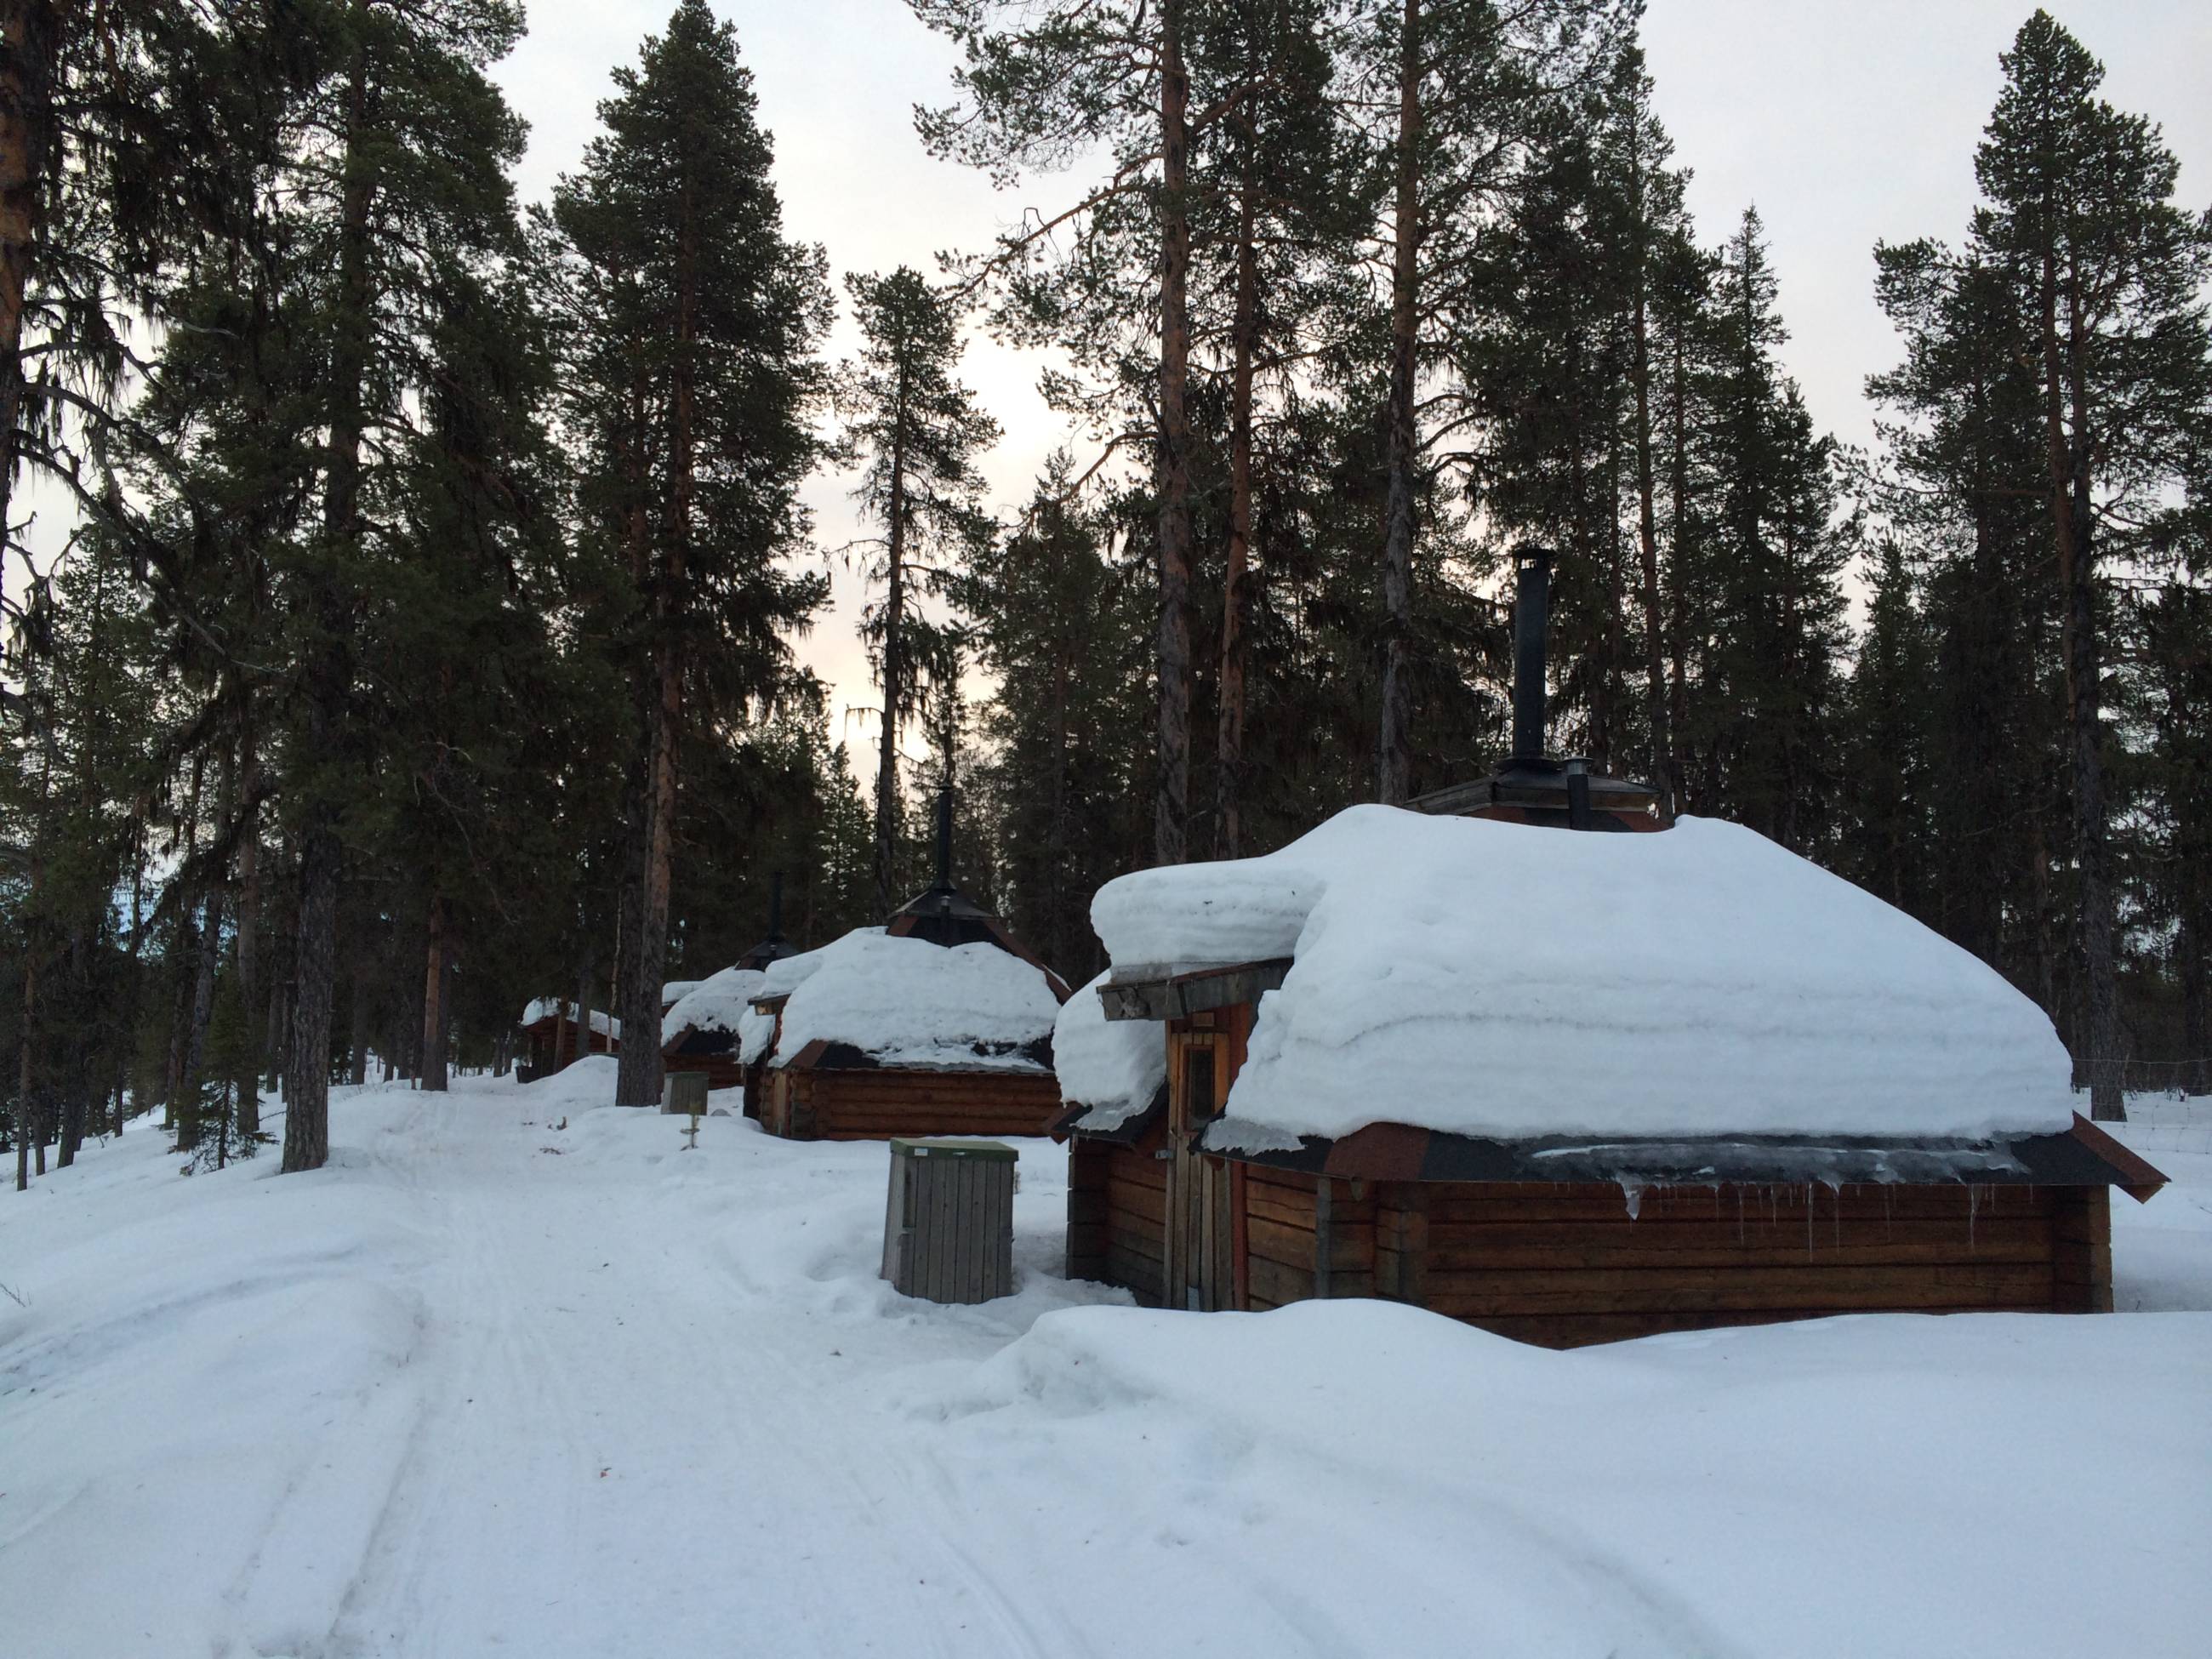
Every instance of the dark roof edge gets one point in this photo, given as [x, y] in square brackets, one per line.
[1195, 991]
[1399, 1151]
[1127, 1133]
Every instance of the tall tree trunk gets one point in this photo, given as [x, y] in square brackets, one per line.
[2072, 509]
[25, 1072]
[887, 782]
[1171, 804]
[1394, 764]
[437, 958]
[190, 1117]
[308, 1072]
[30, 32]
[357, 1033]
[1647, 524]
[1229, 739]
[329, 681]
[638, 1077]
[2195, 1030]
[249, 930]
[1678, 630]
[580, 1027]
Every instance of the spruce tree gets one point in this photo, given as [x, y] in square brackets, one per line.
[916, 432]
[2109, 276]
[691, 379]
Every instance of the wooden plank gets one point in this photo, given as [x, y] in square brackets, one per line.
[1324, 1240]
[1279, 1284]
[1672, 1245]
[1240, 1242]
[1291, 1246]
[1830, 1290]
[1286, 1208]
[1483, 1201]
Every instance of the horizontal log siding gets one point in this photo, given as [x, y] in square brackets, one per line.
[876, 1105]
[1087, 1165]
[1561, 1265]
[1134, 1186]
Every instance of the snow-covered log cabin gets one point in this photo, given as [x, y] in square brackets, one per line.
[701, 1030]
[549, 1036]
[1568, 1087]
[940, 1023]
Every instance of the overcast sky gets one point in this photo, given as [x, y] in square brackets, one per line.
[1845, 121]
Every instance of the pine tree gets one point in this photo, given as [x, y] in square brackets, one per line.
[916, 432]
[691, 379]
[2109, 276]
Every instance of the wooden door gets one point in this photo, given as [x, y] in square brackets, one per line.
[1197, 1235]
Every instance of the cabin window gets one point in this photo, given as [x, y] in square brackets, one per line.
[1200, 1104]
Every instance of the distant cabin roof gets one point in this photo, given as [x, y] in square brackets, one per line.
[707, 1018]
[904, 1002]
[558, 1008]
[1495, 980]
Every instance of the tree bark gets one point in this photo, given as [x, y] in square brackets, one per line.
[1228, 737]
[328, 681]
[30, 31]
[1394, 764]
[1647, 513]
[307, 1073]
[249, 930]
[2073, 508]
[25, 1072]
[1171, 804]
[357, 1033]
[437, 954]
[887, 784]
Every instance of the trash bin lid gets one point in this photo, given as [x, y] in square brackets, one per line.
[996, 1150]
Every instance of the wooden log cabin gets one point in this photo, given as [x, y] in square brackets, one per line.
[940, 1023]
[549, 1037]
[1569, 1088]
[702, 1031]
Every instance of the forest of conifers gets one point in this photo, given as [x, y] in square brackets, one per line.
[402, 582]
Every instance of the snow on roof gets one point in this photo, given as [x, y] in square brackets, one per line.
[676, 989]
[756, 1030]
[907, 1002]
[547, 1007]
[718, 1002]
[1500, 980]
[1115, 1068]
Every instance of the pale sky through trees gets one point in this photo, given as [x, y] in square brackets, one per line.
[1845, 121]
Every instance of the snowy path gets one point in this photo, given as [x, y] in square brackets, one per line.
[515, 1377]
[606, 1446]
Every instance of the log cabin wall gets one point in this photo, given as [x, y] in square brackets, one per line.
[1564, 1264]
[1117, 1214]
[875, 1103]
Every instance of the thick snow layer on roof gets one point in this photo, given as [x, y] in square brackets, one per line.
[757, 1030]
[907, 1002]
[544, 1007]
[718, 1002]
[676, 989]
[1114, 1067]
[1499, 980]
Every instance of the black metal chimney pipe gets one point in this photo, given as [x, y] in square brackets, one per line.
[945, 840]
[1531, 603]
[775, 907]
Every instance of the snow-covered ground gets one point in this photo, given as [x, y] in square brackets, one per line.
[492, 1385]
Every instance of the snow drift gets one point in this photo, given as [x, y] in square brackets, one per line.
[1498, 980]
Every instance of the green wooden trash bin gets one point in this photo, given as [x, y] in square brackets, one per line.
[949, 1221]
[682, 1093]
